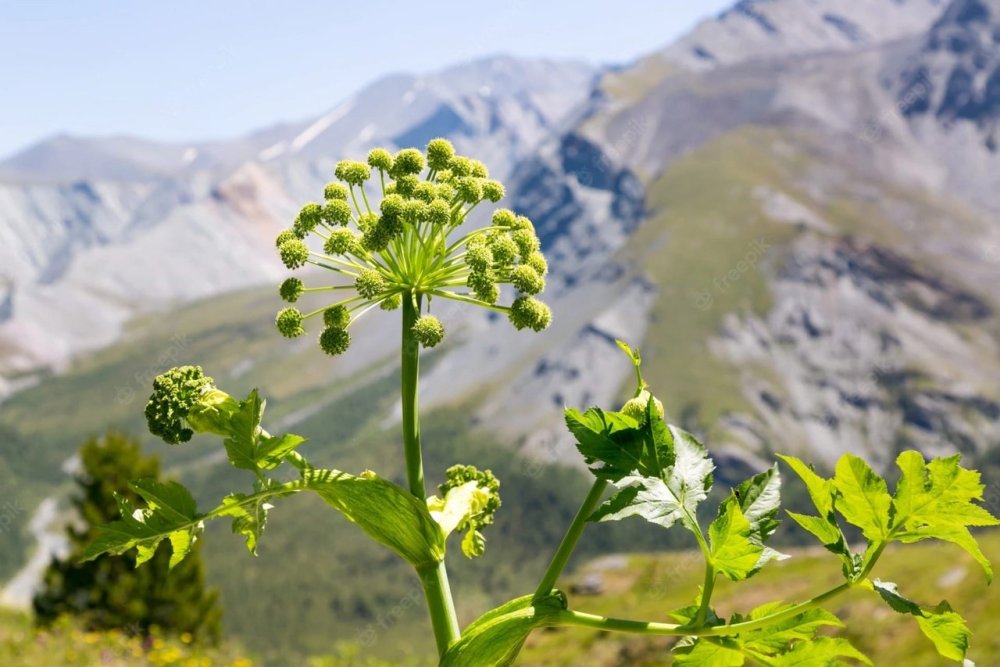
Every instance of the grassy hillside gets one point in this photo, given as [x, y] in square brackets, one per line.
[636, 586]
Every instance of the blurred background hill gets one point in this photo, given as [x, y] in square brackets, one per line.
[793, 209]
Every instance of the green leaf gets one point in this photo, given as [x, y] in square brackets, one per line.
[937, 501]
[760, 499]
[820, 490]
[714, 652]
[945, 628]
[181, 542]
[777, 638]
[170, 515]
[170, 499]
[390, 514]
[249, 517]
[826, 532]
[732, 551]
[496, 638]
[611, 443]
[863, 498]
[820, 651]
[674, 496]
[271, 451]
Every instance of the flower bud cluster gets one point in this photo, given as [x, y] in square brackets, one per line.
[184, 402]
[408, 245]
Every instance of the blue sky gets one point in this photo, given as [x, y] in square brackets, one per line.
[190, 69]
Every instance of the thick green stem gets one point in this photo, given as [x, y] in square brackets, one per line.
[570, 539]
[434, 580]
[410, 382]
[440, 605]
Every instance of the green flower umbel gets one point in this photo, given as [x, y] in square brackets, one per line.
[184, 402]
[408, 245]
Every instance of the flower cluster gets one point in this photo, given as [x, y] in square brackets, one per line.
[185, 401]
[408, 246]
[474, 544]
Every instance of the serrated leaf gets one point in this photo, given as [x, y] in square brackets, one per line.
[945, 628]
[732, 552]
[271, 451]
[181, 542]
[674, 496]
[171, 514]
[611, 443]
[496, 638]
[170, 499]
[249, 517]
[827, 533]
[760, 499]
[937, 501]
[715, 652]
[777, 638]
[820, 651]
[820, 490]
[863, 498]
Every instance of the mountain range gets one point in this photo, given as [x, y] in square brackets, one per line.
[793, 210]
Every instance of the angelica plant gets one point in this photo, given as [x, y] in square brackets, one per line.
[394, 233]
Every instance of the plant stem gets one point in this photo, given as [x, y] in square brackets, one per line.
[434, 580]
[570, 539]
[410, 381]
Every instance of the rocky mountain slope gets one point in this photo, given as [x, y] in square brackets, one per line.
[83, 222]
[800, 232]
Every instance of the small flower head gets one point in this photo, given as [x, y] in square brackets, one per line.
[284, 235]
[493, 190]
[460, 166]
[526, 280]
[484, 286]
[526, 241]
[335, 190]
[294, 253]
[391, 302]
[503, 217]
[481, 511]
[369, 283]
[478, 169]
[379, 158]
[504, 249]
[336, 212]
[185, 401]
[337, 317]
[340, 242]
[527, 312]
[469, 189]
[334, 341]
[408, 161]
[636, 407]
[352, 172]
[439, 212]
[406, 185]
[479, 258]
[428, 330]
[439, 154]
[291, 290]
[289, 322]
[308, 219]
[409, 244]
[536, 260]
